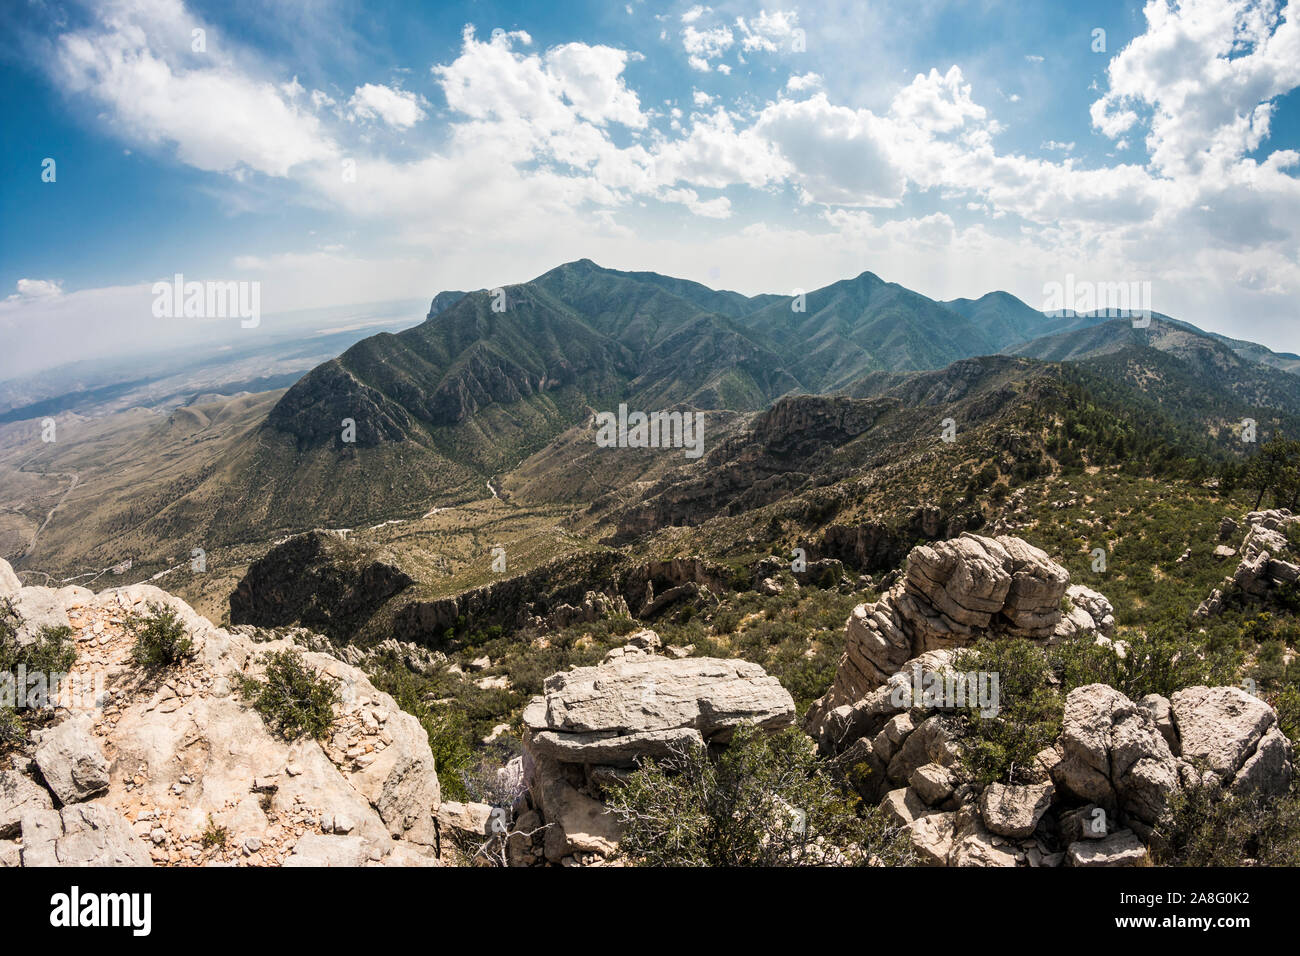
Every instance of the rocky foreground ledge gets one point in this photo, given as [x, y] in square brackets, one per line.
[140, 775]
[149, 769]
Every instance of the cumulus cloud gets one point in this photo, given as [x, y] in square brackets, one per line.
[397, 108]
[834, 154]
[719, 208]
[591, 79]
[1206, 72]
[767, 31]
[938, 103]
[809, 81]
[701, 46]
[136, 61]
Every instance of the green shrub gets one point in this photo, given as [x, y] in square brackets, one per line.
[12, 729]
[291, 697]
[51, 654]
[160, 638]
[1206, 827]
[726, 621]
[1001, 748]
[764, 801]
[450, 736]
[1160, 659]
[1287, 704]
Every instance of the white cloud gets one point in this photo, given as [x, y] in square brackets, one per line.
[701, 46]
[715, 154]
[1207, 71]
[719, 208]
[136, 61]
[937, 103]
[835, 154]
[38, 289]
[797, 84]
[395, 107]
[767, 31]
[591, 78]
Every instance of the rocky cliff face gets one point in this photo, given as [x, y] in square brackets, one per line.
[160, 763]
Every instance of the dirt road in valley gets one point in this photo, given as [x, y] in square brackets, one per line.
[53, 474]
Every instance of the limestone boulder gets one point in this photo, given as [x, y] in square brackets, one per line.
[39, 608]
[1014, 811]
[1227, 729]
[643, 704]
[575, 821]
[932, 837]
[1114, 755]
[9, 583]
[951, 594]
[1121, 848]
[19, 794]
[71, 759]
[317, 850]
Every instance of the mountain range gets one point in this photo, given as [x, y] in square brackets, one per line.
[495, 390]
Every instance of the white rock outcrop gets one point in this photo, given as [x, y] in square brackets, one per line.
[176, 768]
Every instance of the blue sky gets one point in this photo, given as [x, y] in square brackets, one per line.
[953, 147]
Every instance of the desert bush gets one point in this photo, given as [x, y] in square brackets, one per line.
[726, 621]
[1001, 748]
[291, 697]
[453, 751]
[160, 638]
[213, 836]
[51, 654]
[53, 651]
[12, 729]
[763, 801]
[1287, 704]
[448, 729]
[1206, 827]
[1160, 659]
